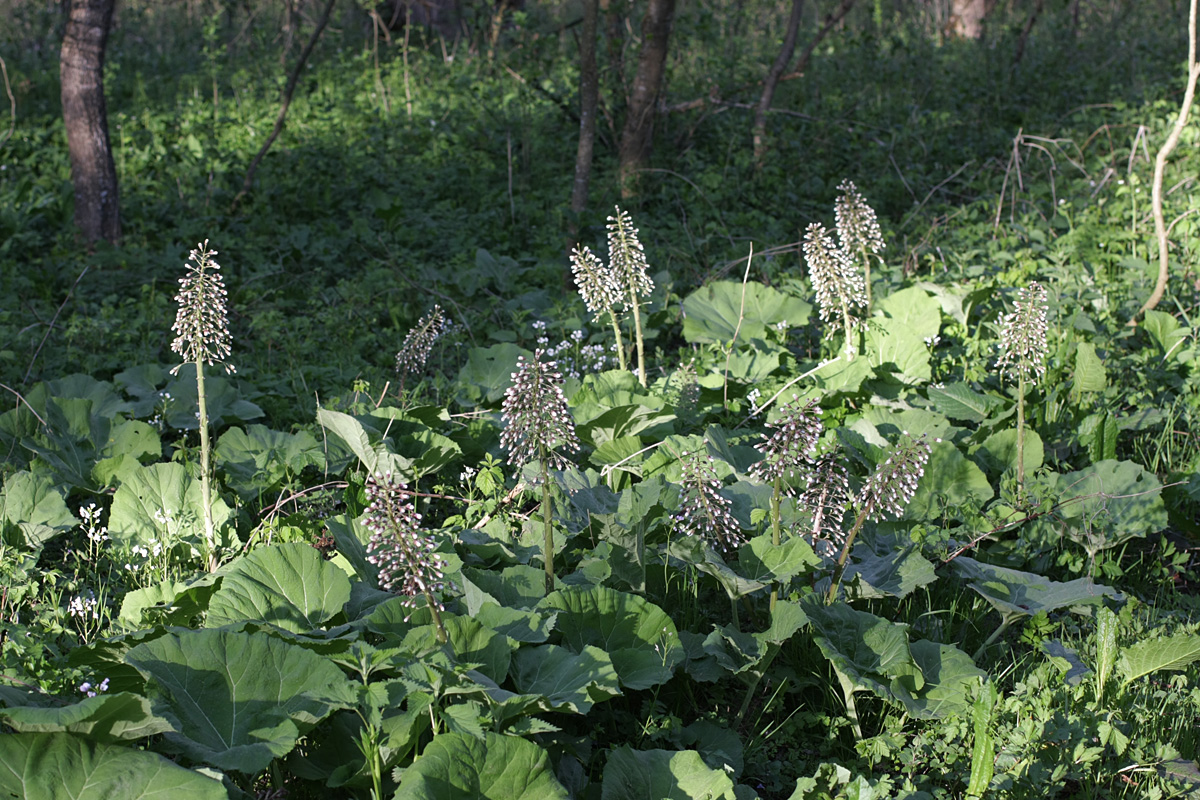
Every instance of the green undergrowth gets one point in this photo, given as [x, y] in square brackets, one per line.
[1015, 632]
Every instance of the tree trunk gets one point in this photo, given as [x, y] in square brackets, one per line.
[1023, 39]
[966, 18]
[589, 93]
[637, 134]
[768, 93]
[81, 68]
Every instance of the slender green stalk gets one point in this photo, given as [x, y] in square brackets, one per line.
[776, 497]
[547, 529]
[1020, 435]
[437, 618]
[612, 315]
[845, 555]
[210, 533]
[637, 329]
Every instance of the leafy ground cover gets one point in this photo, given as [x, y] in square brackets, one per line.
[807, 551]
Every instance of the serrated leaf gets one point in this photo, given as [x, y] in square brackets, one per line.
[638, 635]
[1175, 652]
[959, 401]
[663, 775]
[163, 503]
[1089, 372]
[258, 459]
[567, 681]
[103, 718]
[1013, 592]
[496, 767]
[950, 681]
[870, 651]
[1111, 500]
[238, 700]
[289, 586]
[711, 313]
[61, 766]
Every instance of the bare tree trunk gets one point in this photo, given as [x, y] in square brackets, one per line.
[81, 67]
[966, 18]
[637, 134]
[768, 93]
[589, 94]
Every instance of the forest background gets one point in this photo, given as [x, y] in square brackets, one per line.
[375, 179]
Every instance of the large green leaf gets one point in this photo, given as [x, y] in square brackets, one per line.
[105, 718]
[567, 681]
[488, 373]
[258, 459]
[999, 452]
[891, 341]
[32, 510]
[163, 503]
[639, 637]
[662, 775]
[760, 560]
[287, 585]
[1016, 593]
[1167, 332]
[913, 308]
[238, 700]
[711, 313]
[1112, 500]
[872, 652]
[1089, 375]
[959, 401]
[223, 399]
[951, 678]
[950, 482]
[61, 766]
[896, 573]
[496, 767]
[372, 449]
[1175, 652]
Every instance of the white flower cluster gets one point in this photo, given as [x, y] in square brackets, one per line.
[399, 548]
[201, 324]
[705, 512]
[1023, 335]
[536, 418]
[894, 482]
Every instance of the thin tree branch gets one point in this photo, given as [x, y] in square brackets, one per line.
[288, 91]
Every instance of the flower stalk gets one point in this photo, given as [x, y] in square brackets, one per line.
[537, 423]
[202, 336]
[1023, 350]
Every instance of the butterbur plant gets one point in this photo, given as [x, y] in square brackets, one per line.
[788, 454]
[414, 352]
[886, 493]
[826, 498]
[600, 290]
[836, 282]
[1023, 354]
[400, 549]
[705, 512]
[858, 231]
[202, 337]
[538, 424]
[627, 260]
